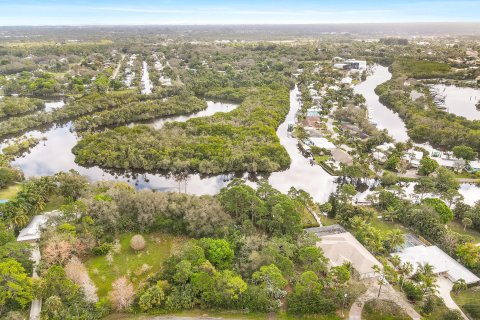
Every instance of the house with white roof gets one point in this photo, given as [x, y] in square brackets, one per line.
[380, 153]
[413, 158]
[442, 263]
[340, 246]
[33, 231]
[322, 143]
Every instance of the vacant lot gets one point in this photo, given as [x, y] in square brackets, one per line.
[136, 266]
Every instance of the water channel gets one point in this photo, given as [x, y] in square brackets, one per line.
[383, 117]
[460, 101]
[54, 154]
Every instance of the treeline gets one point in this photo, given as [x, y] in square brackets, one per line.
[249, 253]
[439, 128]
[85, 105]
[241, 140]
[140, 111]
[20, 146]
[10, 106]
[421, 69]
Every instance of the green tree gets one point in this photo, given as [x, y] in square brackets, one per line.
[101, 83]
[445, 180]
[307, 296]
[15, 286]
[427, 166]
[467, 223]
[152, 298]
[71, 184]
[218, 251]
[271, 278]
[392, 162]
[464, 152]
[469, 254]
[444, 212]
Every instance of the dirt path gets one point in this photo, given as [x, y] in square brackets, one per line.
[117, 69]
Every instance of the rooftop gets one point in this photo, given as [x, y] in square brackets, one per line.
[340, 246]
[33, 230]
[441, 262]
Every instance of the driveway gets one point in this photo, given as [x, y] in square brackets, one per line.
[36, 308]
[444, 289]
[387, 293]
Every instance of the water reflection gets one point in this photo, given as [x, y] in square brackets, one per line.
[382, 116]
[146, 83]
[54, 155]
[301, 174]
[213, 107]
[460, 101]
[53, 104]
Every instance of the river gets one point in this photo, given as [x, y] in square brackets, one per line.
[54, 154]
[382, 116]
[301, 174]
[146, 83]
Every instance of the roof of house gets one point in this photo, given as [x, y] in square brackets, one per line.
[344, 247]
[385, 147]
[441, 262]
[33, 230]
[322, 143]
[341, 156]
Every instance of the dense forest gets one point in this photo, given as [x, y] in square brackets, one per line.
[241, 140]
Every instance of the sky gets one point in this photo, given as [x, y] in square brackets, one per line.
[201, 12]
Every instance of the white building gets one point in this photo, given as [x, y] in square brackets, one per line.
[344, 247]
[322, 143]
[442, 263]
[33, 231]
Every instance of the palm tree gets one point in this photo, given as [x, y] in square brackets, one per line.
[425, 270]
[395, 238]
[396, 261]
[405, 270]
[20, 220]
[459, 285]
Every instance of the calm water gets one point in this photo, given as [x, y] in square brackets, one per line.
[53, 104]
[382, 116]
[470, 192]
[54, 155]
[146, 83]
[460, 101]
[301, 174]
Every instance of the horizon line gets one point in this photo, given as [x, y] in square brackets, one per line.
[240, 24]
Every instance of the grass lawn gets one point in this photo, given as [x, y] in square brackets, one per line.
[10, 192]
[158, 248]
[469, 301]
[385, 226]
[308, 220]
[320, 159]
[54, 203]
[383, 310]
[327, 221]
[197, 314]
[458, 227]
